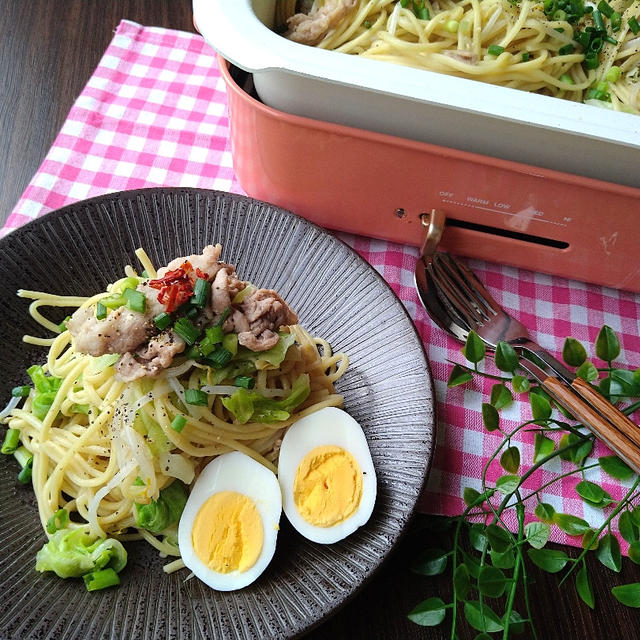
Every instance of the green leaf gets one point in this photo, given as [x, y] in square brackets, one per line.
[474, 349]
[537, 534]
[505, 357]
[429, 613]
[461, 582]
[510, 459]
[503, 560]
[616, 468]
[583, 587]
[590, 540]
[540, 407]
[571, 525]
[607, 344]
[459, 375]
[472, 564]
[500, 396]
[608, 552]
[481, 617]
[635, 516]
[587, 371]
[520, 384]
[507, 484]
[573, 353]
[542, 447]
[431, 562]
[626, 380]
[627, 527]
[590, 492]
[499, 539]
[611, 388]
[470, 496]
[516, 623]
[478, 537]
[575, 454]
[490, 417]
[634, 551]
[628, 594]
[550, 560]
[491, 582]
[545, 512]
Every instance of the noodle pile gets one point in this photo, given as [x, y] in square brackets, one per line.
[105, 445]
[508, 43]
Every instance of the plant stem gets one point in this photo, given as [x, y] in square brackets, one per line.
[516, 572]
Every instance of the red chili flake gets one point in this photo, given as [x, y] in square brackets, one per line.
[201, 274]
[176, 287]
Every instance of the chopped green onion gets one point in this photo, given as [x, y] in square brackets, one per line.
[135, 300]
[201, 290]
[162, 320]
[128, 283]
[611, 40]
[246, 382]
[11, 441]
[219, 358]
[101, 579]
[25, 474]
[193, 353]
[215, 334]
[139, 482]
[633, 25]
[421, 11]
[145, 274]
[495, 50]
[21, 392]
[178, 423]
[191, 312]
[63, 325]
[605, 8]
[596, 45]
[566, 50]
[526, 56]
[560, 15]
[616, 21]
[22, 455]
[195, 396]
[367, 24]
[57, 521]
[186, 330]
[597, 20]
[404, 3]
[101, 311]
[113, 302]
[452, 26]
[591, 60]
[565, 77]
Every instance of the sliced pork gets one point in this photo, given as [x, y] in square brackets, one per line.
[312, 27]
[151, 359]
[121, 331]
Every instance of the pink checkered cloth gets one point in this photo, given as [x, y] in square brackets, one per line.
[154, 114]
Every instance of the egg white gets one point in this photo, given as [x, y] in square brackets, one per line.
[329, 426]
[237, 472]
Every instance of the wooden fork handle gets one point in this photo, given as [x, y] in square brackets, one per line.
[608, 424]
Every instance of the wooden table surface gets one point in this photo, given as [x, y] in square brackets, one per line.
[48, 50]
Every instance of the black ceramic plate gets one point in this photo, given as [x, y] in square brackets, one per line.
[78, 250]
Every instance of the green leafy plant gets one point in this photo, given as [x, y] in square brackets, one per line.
[486, 581]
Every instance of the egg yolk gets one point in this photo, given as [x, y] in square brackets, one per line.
[227, 533]
[328, 486]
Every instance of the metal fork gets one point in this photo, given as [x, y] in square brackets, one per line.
[458, 303]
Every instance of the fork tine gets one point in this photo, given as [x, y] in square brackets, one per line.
[467, 294]
[450, 293]
[492, 308]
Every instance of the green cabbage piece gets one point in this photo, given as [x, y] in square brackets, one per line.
[247, 405]
[163, 512]
[71, 553]
[46, 388]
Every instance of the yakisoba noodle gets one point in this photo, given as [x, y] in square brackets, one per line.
[94, 462]
[513, 44]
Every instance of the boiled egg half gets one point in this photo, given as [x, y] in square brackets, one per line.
[229, 526]
[327, 476]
